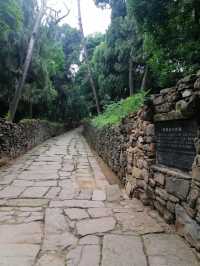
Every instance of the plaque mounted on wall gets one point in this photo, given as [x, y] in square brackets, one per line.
[175, 143]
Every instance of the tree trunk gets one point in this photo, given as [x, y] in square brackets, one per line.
[131, 76]
[87, 60]
[21, 83]
[30, 109]
[144, 80]
[196, 9]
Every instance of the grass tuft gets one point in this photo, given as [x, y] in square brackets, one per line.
[115, 112]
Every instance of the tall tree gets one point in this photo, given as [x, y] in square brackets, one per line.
[92, 83]
[131, 89]
[21, 83]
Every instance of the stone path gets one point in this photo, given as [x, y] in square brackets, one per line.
[57, 209]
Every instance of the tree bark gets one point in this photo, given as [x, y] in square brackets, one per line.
[144, 80]
[30, 109]
[92, 83]
[131, 76]
[196, 8]
[21, 83]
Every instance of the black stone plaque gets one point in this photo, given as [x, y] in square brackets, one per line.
[175, 143]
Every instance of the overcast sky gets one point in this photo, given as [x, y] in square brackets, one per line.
[94, 19]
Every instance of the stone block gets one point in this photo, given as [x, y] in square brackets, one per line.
[188, 79]
[162, 193]
[152, 182]
[90, 256]
[145, 175]
[168, 250]
[197, 84]
[163, 108]
[150, 192]
[99, 195]
[94, 226]
[141, 184]
[150, 130]
[178, 187]
[136, 172]
[198, 217]
[187, 227]
[121, 250]
[171, 206]
[51, 259]
[186, 93]
[196, 173]
[76, 213]
[197, 145]
[172, 115]
[89, 240]
[198, 73]
[161, 201]
[173, 198]
[100, 212]
[159, 178]
[193, 196]
[169, 217]
[167, 90]
[159, 207]
[190, 211]
[158, 99]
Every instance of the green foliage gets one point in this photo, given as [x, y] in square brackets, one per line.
[160, 34]
[115, 112]
[57, 48]
[10, 17]
[173, 27]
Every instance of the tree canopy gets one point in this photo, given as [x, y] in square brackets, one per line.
[149, 44]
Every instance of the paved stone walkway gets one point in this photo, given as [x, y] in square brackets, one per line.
[57, 209]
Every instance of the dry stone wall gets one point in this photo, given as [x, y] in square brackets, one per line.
[16, 139]
[156, 154]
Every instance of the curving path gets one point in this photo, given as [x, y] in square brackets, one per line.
[57, 209]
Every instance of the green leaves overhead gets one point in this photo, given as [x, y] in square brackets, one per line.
[56, 49]
[162, 36]
[172, 29]
[10, 16]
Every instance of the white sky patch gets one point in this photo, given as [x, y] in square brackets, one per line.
[94, 19]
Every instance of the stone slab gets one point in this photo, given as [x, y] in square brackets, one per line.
[93, 226]
[100, 212]
[169, 250]
[30, 233]
[24, 202]
[34, 192]
[177, 187]
[55, 222]
[73, 257]
[77, 204]
[58, 242]
[76, 213]
[89, 240]
[123, 251]
[51, 260]
[11, 192]
[99, 195]
[90, 256]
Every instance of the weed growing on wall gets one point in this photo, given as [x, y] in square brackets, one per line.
[115, 112]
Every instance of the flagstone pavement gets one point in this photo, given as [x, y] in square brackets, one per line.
[58, 209]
